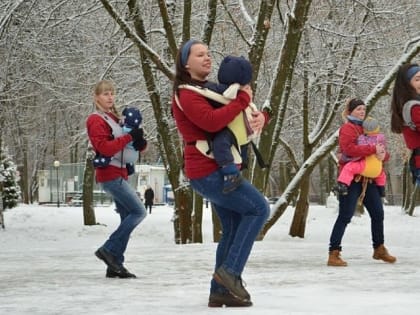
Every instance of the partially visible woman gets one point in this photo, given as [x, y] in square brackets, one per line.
[108, 139]
[243, 211]
[405, 112]
[365, 188]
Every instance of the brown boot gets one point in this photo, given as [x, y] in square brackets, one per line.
[232, 283]
[335, 260]
[381, 253]
[227, 299]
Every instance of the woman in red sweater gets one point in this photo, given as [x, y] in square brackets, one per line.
[243, 211]
[108, 139]
[405, 103]
[360, 187]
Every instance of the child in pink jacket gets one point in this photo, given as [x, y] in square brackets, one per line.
[370, 166]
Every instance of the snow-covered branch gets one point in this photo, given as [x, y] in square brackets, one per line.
[241, 34]
[308, 166]
[116, 57]
[382, 87]
[246, 15]
[137, 40]
[11, 8]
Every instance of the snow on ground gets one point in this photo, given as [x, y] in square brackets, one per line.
[47, 266]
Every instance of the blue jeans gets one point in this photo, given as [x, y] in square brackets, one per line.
[347, 207]
[242, 214]
[131, 211]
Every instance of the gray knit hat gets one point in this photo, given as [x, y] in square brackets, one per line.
[370, 125]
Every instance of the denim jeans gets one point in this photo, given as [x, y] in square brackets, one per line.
[347, 207]
[242, 214]
[131, 211]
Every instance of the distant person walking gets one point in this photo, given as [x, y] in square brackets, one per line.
[108, 139]
[149, 196]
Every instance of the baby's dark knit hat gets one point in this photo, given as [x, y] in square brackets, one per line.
[235, 70]
[132, 117]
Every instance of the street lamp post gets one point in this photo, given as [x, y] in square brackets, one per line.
[57, 165]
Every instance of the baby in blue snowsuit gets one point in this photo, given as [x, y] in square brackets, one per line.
[132, 120]
[232, 70]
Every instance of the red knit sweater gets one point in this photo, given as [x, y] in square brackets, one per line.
[412, 137]
[100, 136]
[195, 119]
[347, 142]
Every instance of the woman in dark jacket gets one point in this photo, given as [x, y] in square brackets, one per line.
[149, 196]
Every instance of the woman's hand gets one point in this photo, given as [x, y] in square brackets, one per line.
[248, 90]
[257, 121]
[380, 152]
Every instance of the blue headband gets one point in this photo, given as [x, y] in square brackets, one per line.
[412, 71]
[185, 52]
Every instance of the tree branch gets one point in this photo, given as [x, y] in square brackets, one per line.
[235, 24]
[118, 55]
[382, 87]
[6, 16]
[154, 57]
[168, 28]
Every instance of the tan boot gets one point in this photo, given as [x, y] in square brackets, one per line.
[335, 260]
[381, 253]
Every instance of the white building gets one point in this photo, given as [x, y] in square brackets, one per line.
[66, 182]
[153, 176]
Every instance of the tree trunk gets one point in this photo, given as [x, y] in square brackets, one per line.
[173, 156]
[288, 54]
[297, 228]
[407, 189]
[1, 204]
[197, 219]
[413, 200]
[183, 212]
[24, 175]
[332, 173]
[389, 188]
[323, 183]
[88, 181]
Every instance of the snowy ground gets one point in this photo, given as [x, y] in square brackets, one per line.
[47, 266]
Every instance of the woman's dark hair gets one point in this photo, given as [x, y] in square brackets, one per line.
[349, 106]
[182, 76]
[403, 91]
[353, 103]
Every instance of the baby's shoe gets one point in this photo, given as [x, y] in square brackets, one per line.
[231, 178]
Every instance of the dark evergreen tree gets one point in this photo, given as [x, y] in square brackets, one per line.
[10, 177]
